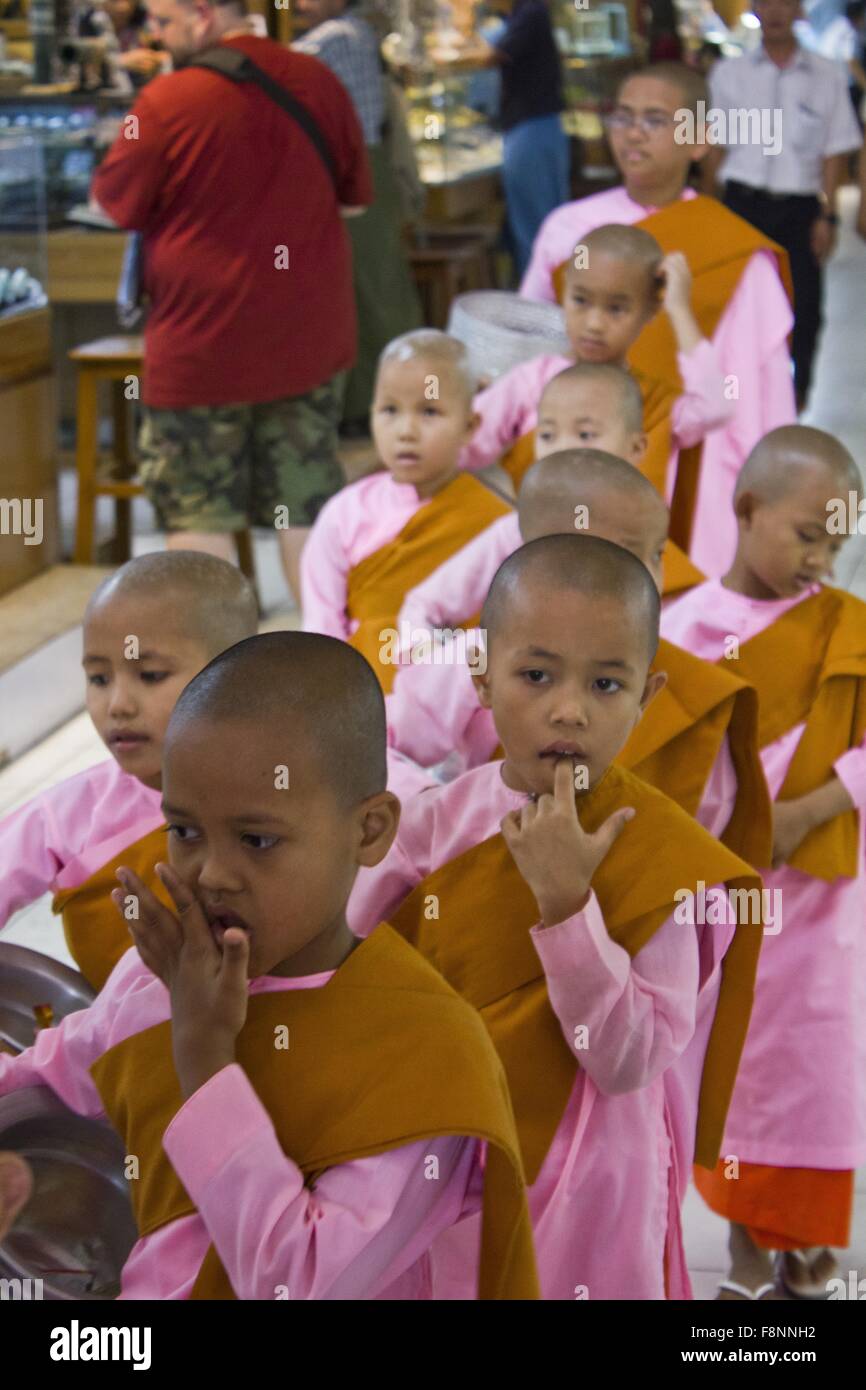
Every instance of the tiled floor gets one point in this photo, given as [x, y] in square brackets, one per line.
[838, 404]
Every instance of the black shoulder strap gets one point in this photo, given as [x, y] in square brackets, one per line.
[238, 67]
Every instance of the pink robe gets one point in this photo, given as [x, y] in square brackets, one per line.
[355, 523]
[457, 589]
[509, 406]
[751, 346]
[66, 833]
[800, 1097]
[365, 1230]
[605, 1206]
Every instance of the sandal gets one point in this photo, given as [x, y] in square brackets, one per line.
[811, 1293]
[749, 1295]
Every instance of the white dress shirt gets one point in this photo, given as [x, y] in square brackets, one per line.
[817, 118]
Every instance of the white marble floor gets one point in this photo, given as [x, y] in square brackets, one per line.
[838, 404]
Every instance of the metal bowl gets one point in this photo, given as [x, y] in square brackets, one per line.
[77, 1229]
[28, 980]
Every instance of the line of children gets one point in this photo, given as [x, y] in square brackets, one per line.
[552, 910]
[741, 290]
[614, 286]
[383, 1115]
[590, 405]
[797, 1124]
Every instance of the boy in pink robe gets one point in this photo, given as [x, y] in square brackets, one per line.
[606, 1203]
[148, 630]
[258, 881]
[797, 1122]
[610, 295]
[750, 337]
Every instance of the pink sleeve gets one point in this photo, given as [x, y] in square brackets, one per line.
[456, 590]
[429, 710]
[61, 1057]
[537, 282]
[627, 1020]
[851, 771]
[324, 574]
[702, 406]
[504, 407]
[720, 793]
[30, 858]
[751, 344]
[360, 1226]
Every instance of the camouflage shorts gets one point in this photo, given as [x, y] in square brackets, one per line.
[227, 467]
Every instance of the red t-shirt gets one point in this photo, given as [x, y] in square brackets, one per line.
[226, 186]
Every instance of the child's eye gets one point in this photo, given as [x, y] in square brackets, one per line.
[587, 434]
[431, 410]
[387, 409]
[153, 677]
[607, 685]
[534, 676]
[260, 841]
[183, 833]
[99, 681]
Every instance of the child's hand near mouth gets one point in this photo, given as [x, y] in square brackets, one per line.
[553, 852]
[207, 983]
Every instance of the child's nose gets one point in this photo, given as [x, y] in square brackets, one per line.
[122, 699]
[215, 874]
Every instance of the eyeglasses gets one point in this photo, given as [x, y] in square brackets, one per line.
[648, 122]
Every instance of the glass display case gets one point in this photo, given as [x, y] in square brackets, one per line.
[73, 133]
[451, 127]
[23, 249]
[597, 51]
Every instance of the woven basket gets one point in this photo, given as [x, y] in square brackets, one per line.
[500, 330]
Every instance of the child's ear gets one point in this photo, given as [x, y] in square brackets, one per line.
[638, 448]
[481, 681]
[655, 681]
[379, 818]
[472, 423]
[744, 507]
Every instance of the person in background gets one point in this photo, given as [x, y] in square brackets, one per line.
[124, 23]
[790, 196]
[535, 166]
[385, 296]
[247, 264]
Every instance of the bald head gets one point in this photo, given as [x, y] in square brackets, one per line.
[791, 455]
[307, 689]
[440, 349]
[209, 598]
[630, 244]
[572, 478]
[585, 565]
[621, 391]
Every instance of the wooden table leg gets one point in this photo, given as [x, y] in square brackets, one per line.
[124, 469]
[86, 426]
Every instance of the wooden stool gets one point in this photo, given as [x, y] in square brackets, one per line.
[447, 261]
[113, 360]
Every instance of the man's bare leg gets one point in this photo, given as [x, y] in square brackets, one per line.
[218, 543]
[292, 541]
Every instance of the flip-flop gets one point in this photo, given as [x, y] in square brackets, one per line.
[816, 1293]
[749, 1295]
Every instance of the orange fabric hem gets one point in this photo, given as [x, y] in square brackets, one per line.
[783, 1208]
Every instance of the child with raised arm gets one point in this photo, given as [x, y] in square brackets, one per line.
[385, 533]
[615, 284]
[797, 1125]
[556, 890]
[309, 1111]
[148, 629]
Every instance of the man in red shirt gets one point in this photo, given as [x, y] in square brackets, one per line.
[247, 265]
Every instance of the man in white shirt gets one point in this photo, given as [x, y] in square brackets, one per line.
[787, 187]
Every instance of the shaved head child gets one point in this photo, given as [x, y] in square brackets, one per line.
[585, 406]
[289, 1089]
[741, 289]
[385, 533]
[590, 990]
[798, 1118]
[616, 284]
[148, 629]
